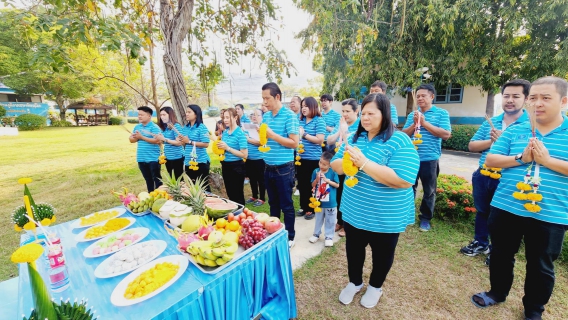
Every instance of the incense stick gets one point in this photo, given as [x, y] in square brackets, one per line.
[490, 122]
[531, 112]
[414, 103]
[173, 128]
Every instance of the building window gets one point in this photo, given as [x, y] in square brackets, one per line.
[453, 93]
[18, 98]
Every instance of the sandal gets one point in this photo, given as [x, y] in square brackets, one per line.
[338, 227]
[341, 233]
[487, 301]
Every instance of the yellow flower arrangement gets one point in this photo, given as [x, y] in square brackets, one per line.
[416, 139]
[217, 150]
[162, 159]
[350, 170]
[529, 184]
[315, 204]
[24, 181]
[493, 173]
[523, 186]
[263, 139]
[27, 253]
[42, 212]
[299, 151]
[297, 162]
[532, 207]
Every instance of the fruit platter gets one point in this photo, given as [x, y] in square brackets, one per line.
[216, 245]
[97, 217]
[141, 204]
[130, 258]
[104, 229]
[115, 242]
[149, 280]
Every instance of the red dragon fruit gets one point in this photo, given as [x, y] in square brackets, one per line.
[124, 196]
[184, 239]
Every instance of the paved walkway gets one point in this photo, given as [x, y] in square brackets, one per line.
[452, 162]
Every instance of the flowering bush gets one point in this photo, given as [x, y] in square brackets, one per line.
[461, 134]
[454, 199]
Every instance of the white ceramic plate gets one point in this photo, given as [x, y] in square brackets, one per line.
[77, 223]
[81, 236]
[143, 232]
[100, 270]
[117, 297]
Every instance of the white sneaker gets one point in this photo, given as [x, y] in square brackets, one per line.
[291, 243]
[347, 294]
[297, 192]
[313, 239]
[371, 297]
[328, 243]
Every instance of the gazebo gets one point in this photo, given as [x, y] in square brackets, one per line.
[91, 119]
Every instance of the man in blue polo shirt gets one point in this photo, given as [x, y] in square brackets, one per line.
[148, 149]
[539, 214]
[381, 87]
[330, 116]
[435, 127]
[514, 95]
[282, 134]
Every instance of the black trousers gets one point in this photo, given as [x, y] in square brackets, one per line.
[255, 173]
[151, 173]
[543, 244]
[304, 174]
[383, 247]
[428, 174]
[338, 198]
[234, 179]
[175, 165]
[202, 171]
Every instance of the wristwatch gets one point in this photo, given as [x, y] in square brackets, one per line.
[304, 135]
[519, 159]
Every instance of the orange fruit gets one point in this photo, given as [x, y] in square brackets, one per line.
[221, 223]
[233, 226]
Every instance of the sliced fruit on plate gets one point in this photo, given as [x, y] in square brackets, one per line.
[219, 210]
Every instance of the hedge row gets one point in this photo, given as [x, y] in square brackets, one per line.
[461, 135]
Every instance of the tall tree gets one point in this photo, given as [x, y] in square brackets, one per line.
[241, 25]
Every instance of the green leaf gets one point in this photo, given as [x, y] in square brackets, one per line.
[40, 295]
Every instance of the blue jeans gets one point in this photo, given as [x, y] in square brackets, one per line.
[483, 191]
[279, 182]
[543, 243]
[151, 173]
[327, 218]
[428, 175]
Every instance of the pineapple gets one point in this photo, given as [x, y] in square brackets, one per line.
[174, 186]
[195, 194]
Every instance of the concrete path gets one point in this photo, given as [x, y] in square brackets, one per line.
[452, 162]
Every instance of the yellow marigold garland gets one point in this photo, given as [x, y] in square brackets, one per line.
[218, 151]
[263, 139]
[493, 173]
[193, 160]
[315, 204]
[299, 151]
[350, 170]
[529, 184]
[417, 138]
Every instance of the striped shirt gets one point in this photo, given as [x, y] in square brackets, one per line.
[173, 152]
[244, 119]
[197, 133]
[351, 129]
[283, 124]
[331, 119]
[484, 131]
[236, 140]
[329, 201]
[253, 152]
[359, 204]
[431, 147]
[316, 126]
[553, 186]
[147, 152]
[394, 115]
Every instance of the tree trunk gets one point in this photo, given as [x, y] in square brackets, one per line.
[175, 27]
[152, 72]
[409, 103]
[490, 105]
[62, 109]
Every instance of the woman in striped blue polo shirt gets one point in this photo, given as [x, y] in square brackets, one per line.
[234, 142]
[173, 148]
[241, 112]
[387, 167]
[195, 133]
[255, 165]
[312, 132]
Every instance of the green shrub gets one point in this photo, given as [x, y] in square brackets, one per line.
[132, 120]
[2, 111]
[115, 121]
[461, 134]
[454, 199]
[212, 112]
[26, 122]
[59, 123]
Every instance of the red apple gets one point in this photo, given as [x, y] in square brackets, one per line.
[272, 224]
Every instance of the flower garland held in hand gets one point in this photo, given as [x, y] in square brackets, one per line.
[350, 170]
[193, 159]
[417, 137]
[42, 212]
[299, 151]
[530, 184]
[493, 173]
[314, 202]
[263, 139]
[218, 151]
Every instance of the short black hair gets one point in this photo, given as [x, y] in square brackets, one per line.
[560, 84]
[352, 102]
[327, 97]
[428, 87]
[380, 84]
[518, 83]
[238, 105]
[146, 109]
[327, 155]
[274, 89]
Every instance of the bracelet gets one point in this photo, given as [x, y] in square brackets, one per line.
[364, 164]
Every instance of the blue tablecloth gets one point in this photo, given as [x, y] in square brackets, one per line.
[259, 283]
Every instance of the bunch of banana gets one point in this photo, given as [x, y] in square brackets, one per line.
[146, 202]
[212, 254]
